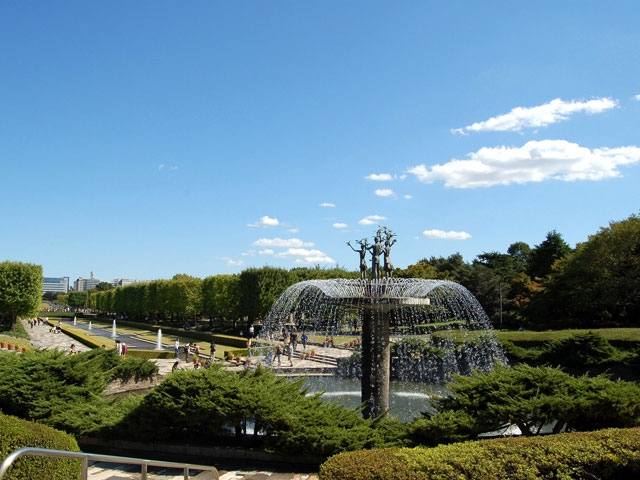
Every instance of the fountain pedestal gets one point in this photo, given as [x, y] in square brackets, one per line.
[376, 362]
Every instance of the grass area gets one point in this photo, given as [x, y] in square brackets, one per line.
[614, 335]
[624, 337]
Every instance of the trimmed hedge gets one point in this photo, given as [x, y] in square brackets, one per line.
[16, 433]
[605, 454]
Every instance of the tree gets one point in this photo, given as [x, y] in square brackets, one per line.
[20, 290]
[600, 283]
[502, 266]
[260, 288]
[77, 299]
[221, 296]
[185, 296]
[104, 286]
[520, 253]
[422, 269]
[543, 256]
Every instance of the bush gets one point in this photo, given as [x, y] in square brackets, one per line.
[66, 391]
[581, 350]
[606, 454]
[531, 398]
[211, 405]
[17, 433]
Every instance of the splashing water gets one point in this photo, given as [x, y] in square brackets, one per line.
[436, 328]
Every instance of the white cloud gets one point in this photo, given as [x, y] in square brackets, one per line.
[441, 234]
[408, 197]
[293, 230]
[231, 261]
[328, 205]
[555, 111]
[265, 221]
[281, 243]
[379, 177]
[636, 97]
[371, 219]
[535, 161]
[162, 166]
[384, 192]
[302, 255]
[340, 225]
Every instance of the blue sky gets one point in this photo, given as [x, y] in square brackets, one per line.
[144, 139]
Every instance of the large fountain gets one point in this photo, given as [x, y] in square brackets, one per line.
[390, 310]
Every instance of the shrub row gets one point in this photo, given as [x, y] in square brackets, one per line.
[604, 454]
[16, 433]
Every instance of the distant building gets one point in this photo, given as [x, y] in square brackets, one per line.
[84, 284]
[121, 282]
[55, 285]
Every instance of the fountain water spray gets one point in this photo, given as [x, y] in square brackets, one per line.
[159, 340]
[392, 310]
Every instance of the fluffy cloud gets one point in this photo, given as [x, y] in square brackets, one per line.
[293, 248]
[281, 243]
[340, 225]
[535, 161]
[384, 192]
[441, 234]
[521, 118]
[371, 219]
[328, 205]
[266, 221]
[379, 177]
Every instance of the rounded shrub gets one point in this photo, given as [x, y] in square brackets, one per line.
[16, 433]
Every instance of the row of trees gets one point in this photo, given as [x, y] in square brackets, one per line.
[550, 285]
[249, 295]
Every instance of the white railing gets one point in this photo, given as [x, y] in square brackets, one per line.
[85, 458]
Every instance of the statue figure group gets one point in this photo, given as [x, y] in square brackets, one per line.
[383, 241]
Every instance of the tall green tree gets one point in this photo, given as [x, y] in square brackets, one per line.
[543, 256]
[599, 284]
[520, 252]
[221, 296]
[260, 288]
[77, 299]
[185, 296]
[20, 290]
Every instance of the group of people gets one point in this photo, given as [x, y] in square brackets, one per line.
[121, 348]
[193, 350]
[290, 339]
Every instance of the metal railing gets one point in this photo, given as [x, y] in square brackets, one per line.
[85, 458]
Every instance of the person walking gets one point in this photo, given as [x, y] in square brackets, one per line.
[290, 353]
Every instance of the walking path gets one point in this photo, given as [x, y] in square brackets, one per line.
[41, 337]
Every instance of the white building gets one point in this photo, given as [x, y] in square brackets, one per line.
[84, 284]
[55, 285]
